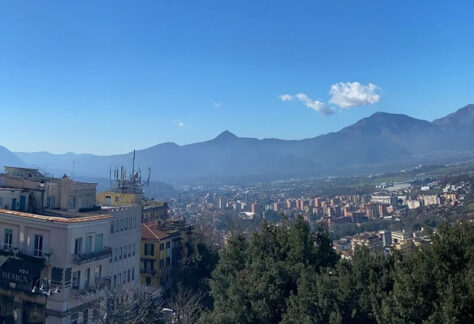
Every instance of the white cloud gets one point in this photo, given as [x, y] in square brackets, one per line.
[178, 123]
[217, 105]
[351, 94]
[285, 97]
[314, 104]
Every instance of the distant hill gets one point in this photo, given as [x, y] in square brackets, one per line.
[380, 141]
[8, 158]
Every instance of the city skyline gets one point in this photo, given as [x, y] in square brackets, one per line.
[78, 76]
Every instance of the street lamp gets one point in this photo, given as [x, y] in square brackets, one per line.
[45, 290]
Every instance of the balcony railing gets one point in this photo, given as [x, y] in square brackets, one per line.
[82, 258]
[6, 251]
[148, 271]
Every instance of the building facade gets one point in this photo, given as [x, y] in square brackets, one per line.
[158, 255]
[66, 256]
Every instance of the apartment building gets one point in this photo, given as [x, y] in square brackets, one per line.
[370, 240]
[125, 237]
[99, 254]
[156, 255]
[400, 236]
[28, 190]
[154, 210]
[48, 263]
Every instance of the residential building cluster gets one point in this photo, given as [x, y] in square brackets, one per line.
[61, 243]
[381, 242]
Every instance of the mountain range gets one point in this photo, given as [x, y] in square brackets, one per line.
[379, 142]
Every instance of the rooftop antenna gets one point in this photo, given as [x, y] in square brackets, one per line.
[133, 164]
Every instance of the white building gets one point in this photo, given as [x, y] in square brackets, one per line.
[381, 199]
[125, 240]
[400, 236]
[71, 253]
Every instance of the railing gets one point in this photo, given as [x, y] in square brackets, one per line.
[148, 271]
[79, 259]
[32, 258]
[5, 251]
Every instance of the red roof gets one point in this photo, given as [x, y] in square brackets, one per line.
[150, 231]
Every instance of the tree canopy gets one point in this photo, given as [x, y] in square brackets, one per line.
[290, 274]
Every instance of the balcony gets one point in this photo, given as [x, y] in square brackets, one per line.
[6, 251]
[105, 253]
[148, 271]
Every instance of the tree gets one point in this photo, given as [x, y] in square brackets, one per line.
[197, 261]
[186, 306]
[254, 279]
[125, 304]
[435, 284]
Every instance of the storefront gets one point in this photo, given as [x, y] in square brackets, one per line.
[18, 304]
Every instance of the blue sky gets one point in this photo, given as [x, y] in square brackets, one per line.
[106, 77]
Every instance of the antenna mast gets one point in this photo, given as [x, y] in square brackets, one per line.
[133, 164]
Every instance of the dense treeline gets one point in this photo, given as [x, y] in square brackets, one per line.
[290, 274]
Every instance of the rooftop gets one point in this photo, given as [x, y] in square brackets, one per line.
[152, 232]
[57, 219]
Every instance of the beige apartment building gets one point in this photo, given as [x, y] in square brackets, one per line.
[59, 256]
[58, 248]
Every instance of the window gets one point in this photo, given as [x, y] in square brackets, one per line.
[89, 243]
[168, 260]
[76, 280]
[120, 254]
[148, 264]
[72, 202]
[98, 273]
[124, 276]
[133, 274]
[119, 278]
[121, 224]
[112, 227]
[149, 249]
[78, 246]
[88, 278]
[8, 239]
[116, 254]
[128, 275]
[162, 263]
[148, 281]
[126, 223]
[162, 246]
[129, 250]
[38, 251]
[168, 244]
[133, 252]
[99, 242]
[85, 316]
[116, 198]
[134, 222]
[117, 227]
[115, 280]
[125, 252]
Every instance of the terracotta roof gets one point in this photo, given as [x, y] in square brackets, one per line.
[56, 219]
[150, 231]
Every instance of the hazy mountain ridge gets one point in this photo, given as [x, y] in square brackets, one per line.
[378, 140]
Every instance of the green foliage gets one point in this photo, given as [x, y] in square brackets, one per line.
[435, 285]
[254, 279]
[272, 216]
[198, 260]
[288, 274]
